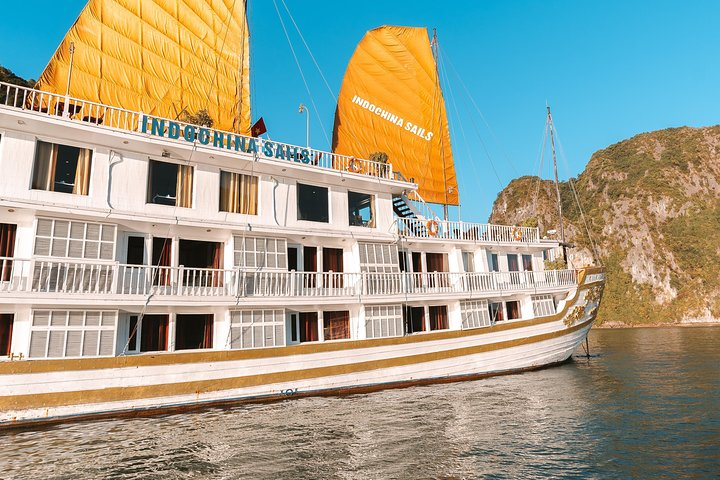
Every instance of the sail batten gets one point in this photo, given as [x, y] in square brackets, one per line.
[165, 58]
[391, 102]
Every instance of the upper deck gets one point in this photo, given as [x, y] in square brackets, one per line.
[125, 142]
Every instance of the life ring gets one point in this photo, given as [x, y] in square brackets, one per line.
[517, 234]
[354, 165]
[432, 228]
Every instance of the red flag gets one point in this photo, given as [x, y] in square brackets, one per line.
[258, 128]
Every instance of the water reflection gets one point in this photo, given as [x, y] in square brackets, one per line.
[645, 405]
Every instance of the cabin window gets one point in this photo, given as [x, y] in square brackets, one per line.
[361, 209]
[308, 327]
[6, 328]
[74, 333]
[468, 259]
[496, 312]
[543, 305]
[238, 193]
[475, 314]
[135, 254]
[154, 333]
[7, 251]
[513, 310]
[257, 328]
[61, 238]
[527, 263]
[438, 317]
[414, 319]
[255, 252]
[312, 203]
[336, 325]
[61, 168]
[162, 260]
[332, 267]
[202, 261]
[436, 262]
[383, 321]
[170, 184]
[493, 262]
[513, 265]
[193, 331]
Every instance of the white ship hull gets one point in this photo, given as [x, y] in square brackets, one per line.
[51, 391]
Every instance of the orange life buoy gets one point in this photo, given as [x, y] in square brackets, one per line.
[517, 234]
[432, 228]
[354, 165]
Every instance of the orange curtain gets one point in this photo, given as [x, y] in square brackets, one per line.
[308, 327]
[7, 249]
[238, 193]
[184, 186]
[154, 333]
[44, 170]
[6, 328]
[82, 172]
[208, 332]
[438, 318]
[336, 325]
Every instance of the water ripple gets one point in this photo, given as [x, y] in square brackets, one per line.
[645, 405]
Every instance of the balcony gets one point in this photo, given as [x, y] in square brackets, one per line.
[477, 232]
[104, 116]
[38, 277]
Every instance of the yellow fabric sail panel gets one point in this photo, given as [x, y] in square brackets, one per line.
[162, 57]
[391, 102]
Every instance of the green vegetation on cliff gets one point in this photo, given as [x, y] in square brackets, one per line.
[652, 203]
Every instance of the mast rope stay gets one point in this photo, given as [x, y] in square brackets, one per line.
[593, 243]
[302, 74]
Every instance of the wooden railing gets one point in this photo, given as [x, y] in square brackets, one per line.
[62, 106]
[78, 277]
[480, 232]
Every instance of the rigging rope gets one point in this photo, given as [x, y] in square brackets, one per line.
[593, 244]
[302, 74]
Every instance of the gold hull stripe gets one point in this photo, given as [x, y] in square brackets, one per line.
[173, 358]
[114, 394]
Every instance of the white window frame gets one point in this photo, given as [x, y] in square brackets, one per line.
[475, 314]
[56, 238]
[65, 322]
[543, 305]
[278, 258]
[384, 318]
[248, 322]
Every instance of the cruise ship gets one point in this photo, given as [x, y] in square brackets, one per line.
[151, 263]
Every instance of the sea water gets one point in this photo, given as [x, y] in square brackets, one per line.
[646, 404]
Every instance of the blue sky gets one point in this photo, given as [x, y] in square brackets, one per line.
[609, 70]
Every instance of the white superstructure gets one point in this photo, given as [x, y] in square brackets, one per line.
[146, 263]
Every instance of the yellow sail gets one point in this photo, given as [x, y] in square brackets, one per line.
[391, 102]
[165, 58]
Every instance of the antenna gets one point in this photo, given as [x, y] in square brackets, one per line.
[557, 185]
[66, 113]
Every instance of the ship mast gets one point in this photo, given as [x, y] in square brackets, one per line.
[434, 48]
[557, 185]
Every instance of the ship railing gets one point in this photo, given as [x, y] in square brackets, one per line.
[64, 106]
[458, 230]
[57, 105]
[108, 278]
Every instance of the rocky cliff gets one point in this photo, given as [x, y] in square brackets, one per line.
[652, 205]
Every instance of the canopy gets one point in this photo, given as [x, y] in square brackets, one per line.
[391, 102]
[163, 57]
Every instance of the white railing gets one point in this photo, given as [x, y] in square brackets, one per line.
[56, 105]
[481, 232]
[52, 104]
[78, 277]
